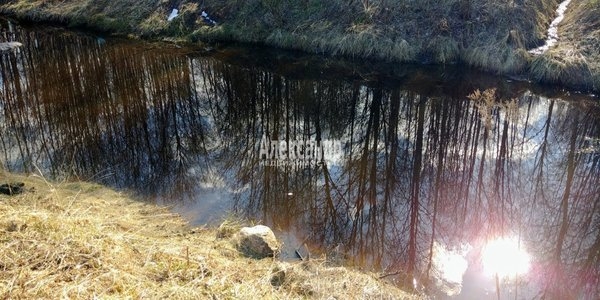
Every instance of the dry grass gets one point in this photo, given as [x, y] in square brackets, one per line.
[121, 16]
[485, 102]
[81, 240]
[564, 65]
[575, 61]
[489, 105]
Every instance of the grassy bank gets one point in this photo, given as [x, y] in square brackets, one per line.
[491, 35]
[575, 61]
[82, 240]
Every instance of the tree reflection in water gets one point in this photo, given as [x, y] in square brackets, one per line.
[425, 165]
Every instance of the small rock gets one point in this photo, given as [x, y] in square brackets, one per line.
[12, 188]
[278, 275]
[258, 241]
[9, 46]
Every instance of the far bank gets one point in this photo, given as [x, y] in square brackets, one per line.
[489, 35]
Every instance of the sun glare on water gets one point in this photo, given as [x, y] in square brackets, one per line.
[504, 257]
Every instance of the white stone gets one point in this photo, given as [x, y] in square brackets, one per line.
[258, 241]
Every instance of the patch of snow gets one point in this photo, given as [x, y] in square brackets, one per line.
[207, 19]
[9, 46]
[173, 15]
[553, 30]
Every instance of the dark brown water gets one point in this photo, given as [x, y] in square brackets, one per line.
[422, 178]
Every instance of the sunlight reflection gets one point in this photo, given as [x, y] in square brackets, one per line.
[450, 266]
[504, 257]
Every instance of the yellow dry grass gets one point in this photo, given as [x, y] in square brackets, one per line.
[82, 240]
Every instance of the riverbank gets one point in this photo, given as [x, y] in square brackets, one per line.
[575, 61]
[83, 240]
[490, 35]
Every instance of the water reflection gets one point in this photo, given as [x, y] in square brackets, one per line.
[431, 170]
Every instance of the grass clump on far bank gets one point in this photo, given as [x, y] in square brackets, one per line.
[82, 240]
[566, 66]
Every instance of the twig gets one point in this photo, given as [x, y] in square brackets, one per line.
[390, 274]
[42, 175]
[72, 201]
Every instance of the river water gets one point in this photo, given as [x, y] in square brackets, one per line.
[410, 171]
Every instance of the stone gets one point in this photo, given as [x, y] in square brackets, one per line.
[278, 275]
[258, 241]
[12, 188]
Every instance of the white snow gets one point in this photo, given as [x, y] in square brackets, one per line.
[553, 30]
[9, 46]
[173, 15]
